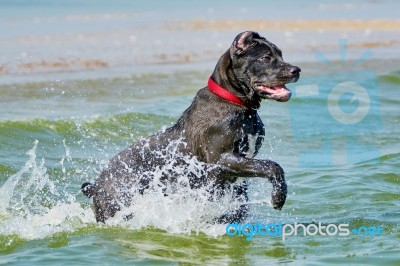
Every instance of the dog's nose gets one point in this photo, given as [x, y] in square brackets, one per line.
[294, 70]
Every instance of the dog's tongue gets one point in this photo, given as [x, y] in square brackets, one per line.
[275, 90]
[279, 93]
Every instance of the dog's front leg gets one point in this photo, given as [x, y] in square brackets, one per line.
[232, 165]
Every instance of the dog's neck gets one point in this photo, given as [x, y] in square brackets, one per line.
[224, 76]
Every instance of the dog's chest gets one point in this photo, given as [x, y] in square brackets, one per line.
[250, 137]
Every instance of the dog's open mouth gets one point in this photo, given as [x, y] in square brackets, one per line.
[279, 93]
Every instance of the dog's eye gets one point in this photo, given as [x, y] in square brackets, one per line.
[266, 56]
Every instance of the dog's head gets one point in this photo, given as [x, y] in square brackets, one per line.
[259, 67]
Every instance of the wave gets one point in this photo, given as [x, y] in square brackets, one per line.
[392, 78]
[125, 127]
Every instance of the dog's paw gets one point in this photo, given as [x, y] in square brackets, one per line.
[279, 193]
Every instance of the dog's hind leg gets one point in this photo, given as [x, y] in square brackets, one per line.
[239, 209]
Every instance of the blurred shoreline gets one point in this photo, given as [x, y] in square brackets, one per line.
[79, 43]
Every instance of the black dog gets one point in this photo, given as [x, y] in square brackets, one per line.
[220, 128]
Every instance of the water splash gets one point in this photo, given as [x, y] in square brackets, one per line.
[33, 207]
[67, 157]
[7, 190]
[184, 210]
[36, 203]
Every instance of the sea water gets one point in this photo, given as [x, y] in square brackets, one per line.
[81, 82]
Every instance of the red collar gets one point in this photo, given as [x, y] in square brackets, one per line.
[225, 94]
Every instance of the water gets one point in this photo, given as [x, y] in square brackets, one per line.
[79, 84]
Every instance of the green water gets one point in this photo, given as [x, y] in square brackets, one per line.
[55, 136]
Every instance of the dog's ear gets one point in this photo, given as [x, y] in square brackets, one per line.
[243, 42]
